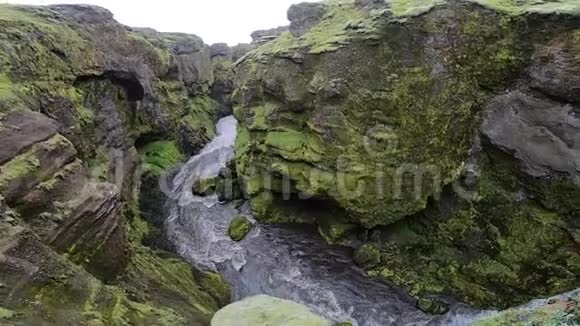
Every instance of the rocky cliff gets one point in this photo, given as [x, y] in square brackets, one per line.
[437, 139]
[440, 138]
[90, 111]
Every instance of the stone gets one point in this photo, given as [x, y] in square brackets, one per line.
[367, 256]
[304, 16]
[240, 50]
[220, 50]
[265, 310]
[205, 187]
[373, 3]
[561, 312]
[541, 134]
[555, 70]
[27, 170]
[20, 130]
[85, 14]
[239, 227]
[103, 245]
[268, 34]
[432, 306]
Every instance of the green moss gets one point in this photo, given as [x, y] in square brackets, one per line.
[512, 7]
[6, 314]
[518, 7]
[217, 287]
[98, 304]
[330, 34]
[367, 256]
[260, 117]
[5, 87]
[398, 136]
[289, 141]
[204, 187]
[413, 7]
[242, 150]
[265, 310]
[50, 184]
[38, 60]
[165, 280]
[201, 117]
[482, 251]
[239, 228]
[261, 204]
[335, 232]
[432, 306]
[160, 156]
[558, 314]
[18, 167]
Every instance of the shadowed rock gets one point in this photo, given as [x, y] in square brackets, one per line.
[20, 130]
[303, 16]
[541, 134]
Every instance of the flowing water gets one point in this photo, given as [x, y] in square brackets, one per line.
[288, 262]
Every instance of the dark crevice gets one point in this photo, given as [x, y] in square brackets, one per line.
[128, 81]
[60, 54]
[148, 138]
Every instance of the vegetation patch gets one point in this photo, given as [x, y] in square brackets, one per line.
[160, 156]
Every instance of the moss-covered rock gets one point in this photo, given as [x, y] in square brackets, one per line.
[265, 310]
[378, 141]
[367, 256]
[432, 306]
[108, 90]
[559, 312]
[62, 291]
[481, 249]
[239, 228]
[160, 156]
[375, 107]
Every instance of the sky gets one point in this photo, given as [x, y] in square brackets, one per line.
[229, 21]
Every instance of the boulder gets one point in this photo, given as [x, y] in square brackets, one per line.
[239, 227]
[265, 35]
[220, 50]
[304, 16]
[240, 50]
[85, 14]
[367, 256]
[265, 310]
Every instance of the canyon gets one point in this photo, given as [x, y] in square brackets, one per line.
[403, 162]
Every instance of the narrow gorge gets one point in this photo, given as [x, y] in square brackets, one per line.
[376, 162]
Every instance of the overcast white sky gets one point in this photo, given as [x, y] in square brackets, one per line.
[229, 21]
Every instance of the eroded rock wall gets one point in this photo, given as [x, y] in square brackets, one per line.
[442, 135]
[83, 99]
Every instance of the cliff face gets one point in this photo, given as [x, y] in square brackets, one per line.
[83, 101]
[440, 139]
[442, 135]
